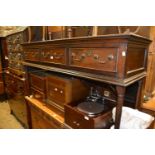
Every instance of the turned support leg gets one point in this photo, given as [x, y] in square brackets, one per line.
[120, 102]
[140, 93]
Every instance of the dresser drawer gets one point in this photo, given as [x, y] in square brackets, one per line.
[38, 81]
[38, 94]
[102, 59]
[57, 56]
[62, 90]
[32, 55]
[78, 120]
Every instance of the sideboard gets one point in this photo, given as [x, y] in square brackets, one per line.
[115, 63]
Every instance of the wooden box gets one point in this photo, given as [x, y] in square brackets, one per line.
[62, 90]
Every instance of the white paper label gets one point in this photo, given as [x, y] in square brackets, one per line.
[86, 117]
[123, 53]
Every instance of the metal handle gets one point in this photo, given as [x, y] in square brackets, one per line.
[58, 56]
[82, 57]
[102, 61]
[109, 58]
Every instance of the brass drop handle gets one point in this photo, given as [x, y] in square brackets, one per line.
[55, 89]
[80, 58]
[102, 61]
[78, 124]
[110, 57]
[58, 56]
[61, 92]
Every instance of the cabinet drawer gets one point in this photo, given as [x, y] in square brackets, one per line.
[38, 81]
[57, 56]
[62, 90]
[32, 55]
[78, 120]
[102, 59]
[38, 95]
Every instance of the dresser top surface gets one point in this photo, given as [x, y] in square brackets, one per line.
[131, 37]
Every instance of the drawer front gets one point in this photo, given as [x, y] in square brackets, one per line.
[38, 95]
[38, 82]
[15, 56]
[41, 121]
[64, 90]
[56, 91]
[32, 55]
[102, 59]
[57, 56]
[16, 65]
[77, 120]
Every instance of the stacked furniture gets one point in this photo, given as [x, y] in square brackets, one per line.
[15, 82]
[72, 77]
[109, 70]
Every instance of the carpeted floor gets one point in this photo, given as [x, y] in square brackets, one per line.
[8, 121]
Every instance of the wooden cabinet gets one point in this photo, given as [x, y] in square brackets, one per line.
[15, 52]
[15, 89]
[15, 81]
